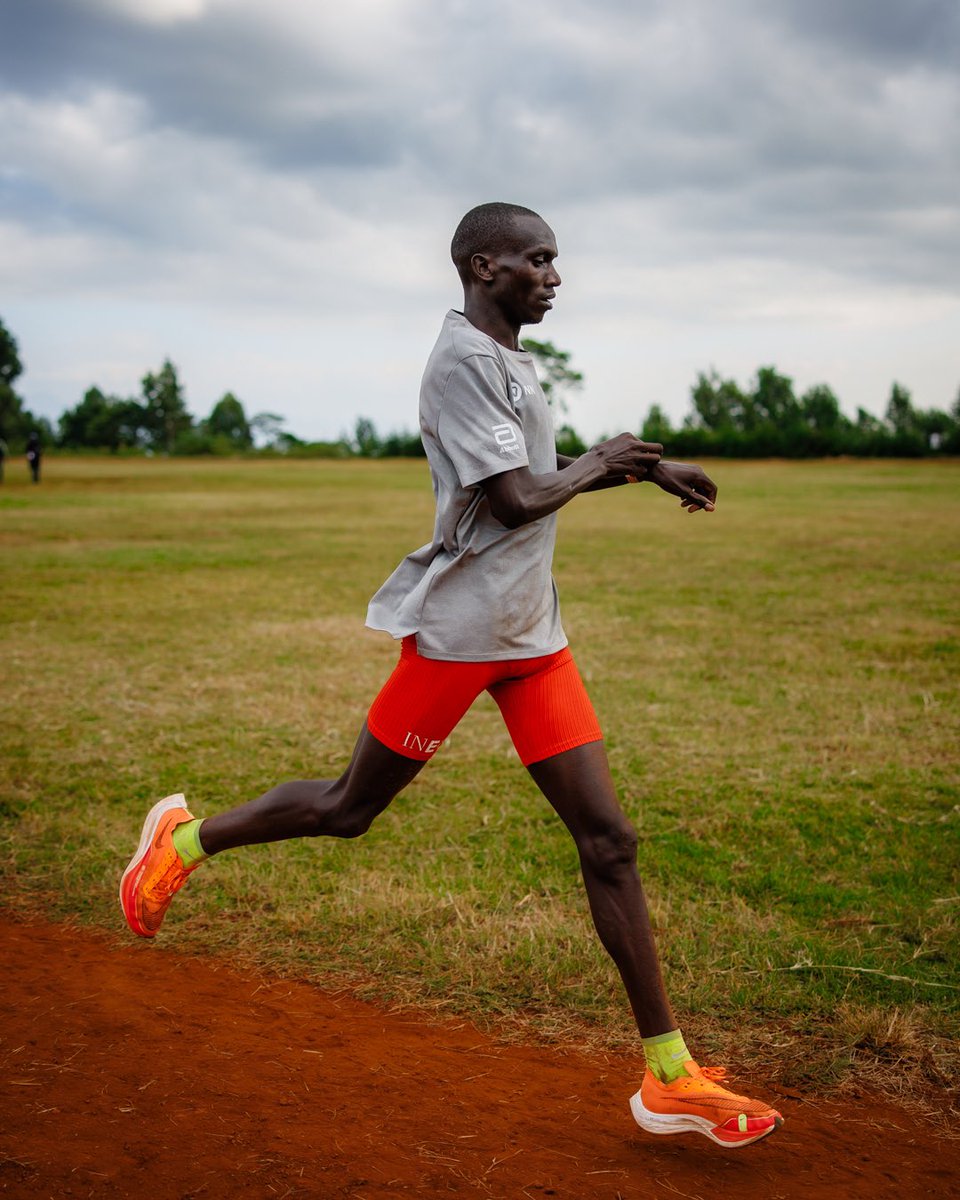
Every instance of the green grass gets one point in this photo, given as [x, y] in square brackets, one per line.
[778, 685]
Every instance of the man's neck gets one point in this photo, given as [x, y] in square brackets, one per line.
[491, 321]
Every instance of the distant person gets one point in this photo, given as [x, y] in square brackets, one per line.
[3, 455]
[34, 455]
[477, 609]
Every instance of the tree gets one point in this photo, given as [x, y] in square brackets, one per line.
[951, 438]
[909, 437]
[166, 413]
[101, 421]
[569, 442]
[366, 440]
[267, 426]
[401, 444]
[719, 404]
[820, 408]
[127, 423]
[228, 420]
[656, 428]
[773, 399]
[16, 422]
[900, 414]
[10, 365]
[12, 422]
[83, 425]
[557, 377]
[936, 427]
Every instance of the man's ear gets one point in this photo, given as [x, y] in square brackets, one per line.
[481, 267]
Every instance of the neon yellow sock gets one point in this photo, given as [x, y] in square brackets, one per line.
[665, 1054]
[186, 842]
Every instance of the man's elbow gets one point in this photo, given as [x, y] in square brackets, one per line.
[511, 513]
[513, 498]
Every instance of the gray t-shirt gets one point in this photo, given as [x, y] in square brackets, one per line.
[478, 592]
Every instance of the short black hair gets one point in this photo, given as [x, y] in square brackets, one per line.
[487, 227]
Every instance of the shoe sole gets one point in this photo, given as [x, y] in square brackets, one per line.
[128, 880]
[665, 1123]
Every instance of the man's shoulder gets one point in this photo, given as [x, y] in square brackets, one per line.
[459, 340]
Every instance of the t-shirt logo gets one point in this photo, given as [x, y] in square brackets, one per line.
[506, 437]
[519, 390]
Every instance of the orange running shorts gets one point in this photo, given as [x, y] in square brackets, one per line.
[543, 701]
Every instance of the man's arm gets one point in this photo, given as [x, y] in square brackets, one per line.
[686, 480]
[564, 461]
[518, 497]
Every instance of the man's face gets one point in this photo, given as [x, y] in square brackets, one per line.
[524, 280]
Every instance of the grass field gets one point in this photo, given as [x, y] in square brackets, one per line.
[778, 684]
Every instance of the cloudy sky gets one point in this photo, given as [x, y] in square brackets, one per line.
[265, 193]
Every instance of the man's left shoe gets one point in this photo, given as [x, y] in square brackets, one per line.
[156, 871]
[696, 1103]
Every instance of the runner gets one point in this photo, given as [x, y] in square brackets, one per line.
[476, 610]
[34, 456]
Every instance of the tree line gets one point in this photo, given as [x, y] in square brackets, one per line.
[765, 419]
[768, 419]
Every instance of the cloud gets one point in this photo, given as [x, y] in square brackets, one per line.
[153, 12]
[925, 32]
[753, 163]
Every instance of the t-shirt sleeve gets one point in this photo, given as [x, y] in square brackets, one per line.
[478, 426]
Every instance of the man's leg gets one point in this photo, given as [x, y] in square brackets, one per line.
[344, 807]
[173, 843]
[417, 707]
[547, 710]
[675, 1096]
[579, 786]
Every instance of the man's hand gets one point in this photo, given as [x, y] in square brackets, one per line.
[686, 480]
[517, 497]
[625, 456]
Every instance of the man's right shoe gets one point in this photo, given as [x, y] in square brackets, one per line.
[156, 871]
[696, 1103]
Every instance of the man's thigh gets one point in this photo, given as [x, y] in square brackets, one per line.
[548, 710]
[423, 700]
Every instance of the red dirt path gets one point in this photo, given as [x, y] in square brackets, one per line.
[130, 1071]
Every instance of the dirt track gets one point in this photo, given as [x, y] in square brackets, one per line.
[129, 1071]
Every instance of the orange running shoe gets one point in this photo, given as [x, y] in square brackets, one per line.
[696, 1103]
[155, 872]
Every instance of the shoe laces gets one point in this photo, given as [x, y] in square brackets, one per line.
[173, 878]
[746, 1106]
[714, 1074]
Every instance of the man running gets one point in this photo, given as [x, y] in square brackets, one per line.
[477, 610]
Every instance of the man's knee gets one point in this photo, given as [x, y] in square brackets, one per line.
[349, 822]
[322, 821]
[351, 813]
[610, 850]
[326, 809]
